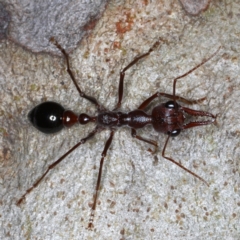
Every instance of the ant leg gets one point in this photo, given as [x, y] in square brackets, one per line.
[148, 101]
[158, 94]
[50, 167]
[173, 96]
[149, 141]
[193, 69]
[104, 153]
[181, 99]
[66, 56]
[163, 154]
[170, 159]
[122, 74]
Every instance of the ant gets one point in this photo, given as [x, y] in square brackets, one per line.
[168, 118]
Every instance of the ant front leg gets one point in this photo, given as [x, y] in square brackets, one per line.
[191, 70]
[158, 94]
[173, 96]
[104, 153]
[178, 164]
[82, 94]
[122, 74]
[164, 156]
[50, 167]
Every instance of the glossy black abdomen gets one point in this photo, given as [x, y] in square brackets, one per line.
[47, 117]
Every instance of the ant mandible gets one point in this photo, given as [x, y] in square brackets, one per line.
[168, 118]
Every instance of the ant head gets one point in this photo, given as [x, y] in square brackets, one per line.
[168, 118]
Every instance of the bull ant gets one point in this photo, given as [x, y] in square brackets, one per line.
[168, 118]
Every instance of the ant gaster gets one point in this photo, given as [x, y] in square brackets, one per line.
[167, 118]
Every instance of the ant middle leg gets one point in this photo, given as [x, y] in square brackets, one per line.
[122, 73]
[104, 153]
[82, 94]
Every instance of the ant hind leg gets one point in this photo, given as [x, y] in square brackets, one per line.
[82, 94]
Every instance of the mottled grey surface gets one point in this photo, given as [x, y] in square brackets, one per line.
[142, 197]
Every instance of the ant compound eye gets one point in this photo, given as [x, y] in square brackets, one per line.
[171, 104]
[47, 117]
[174, 133]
